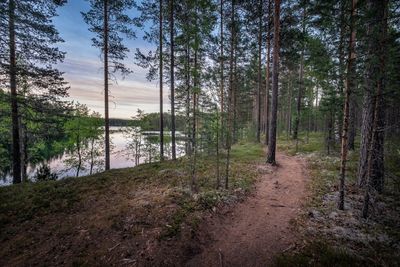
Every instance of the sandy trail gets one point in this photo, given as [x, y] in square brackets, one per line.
[258, 228]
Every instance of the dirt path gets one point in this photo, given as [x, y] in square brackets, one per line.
[258, 228]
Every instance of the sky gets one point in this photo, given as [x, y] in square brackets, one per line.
[84, 72]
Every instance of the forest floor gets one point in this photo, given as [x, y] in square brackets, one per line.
[254, 231]
[284, 215]
[331, 237]
[142, 216]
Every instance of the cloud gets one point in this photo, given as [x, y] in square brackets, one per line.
[126, 96]
[83, 69]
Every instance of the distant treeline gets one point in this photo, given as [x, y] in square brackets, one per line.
[151, 122]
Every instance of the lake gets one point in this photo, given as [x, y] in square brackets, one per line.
[120, 157]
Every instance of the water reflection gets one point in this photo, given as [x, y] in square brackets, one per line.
[123, 154]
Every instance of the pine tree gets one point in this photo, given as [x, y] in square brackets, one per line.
[350, 79]
[275, 80]
[160, 49]
[230, 108]
[172, 77]
[375, 83]
[301, 77]
[267, 75]
[108, 20]
[28, 54]
[259, 76]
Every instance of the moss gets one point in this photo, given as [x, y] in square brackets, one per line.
[23, 202]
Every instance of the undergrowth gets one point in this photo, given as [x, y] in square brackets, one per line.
[322, 248]
[34, 201]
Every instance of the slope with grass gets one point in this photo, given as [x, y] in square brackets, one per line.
[136, 216]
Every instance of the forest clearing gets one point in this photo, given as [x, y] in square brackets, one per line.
[199, 133]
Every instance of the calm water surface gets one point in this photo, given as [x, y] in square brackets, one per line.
[121, 157]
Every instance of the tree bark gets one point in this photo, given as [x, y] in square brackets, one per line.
[222, 94]
[301, 81]
[349, 87]
[24, 152]
[78, 149]
[267, 76]
[275, 79]
[341, 52]
[187, 100]
[194, 143]
[221, 118]
[259, 81]
[171, 21]
[366, 134]
[377, 30]
[352, 122]
[230, 94]
[106, 114]
[161, 81]
[16, 153]
[374, 78]
[289, 113]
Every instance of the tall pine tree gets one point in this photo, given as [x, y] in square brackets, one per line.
[108, 20]
[28, 54]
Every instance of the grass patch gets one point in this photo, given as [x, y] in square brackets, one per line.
[247, 152]
[23, 202]
[313, 143]
[33, 202]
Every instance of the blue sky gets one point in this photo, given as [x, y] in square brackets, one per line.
[83, 68]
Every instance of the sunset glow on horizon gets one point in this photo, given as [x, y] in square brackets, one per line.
[83, 69]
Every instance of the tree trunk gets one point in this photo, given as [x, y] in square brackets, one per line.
[78, 148]
[187, 100]
[161, 81]
[193, 184]
[315, 125]
[267, 76]
[235, 92]
[366, 133]
[349, 87]
[341, 51]
[16, 153]
[106, 114]
[275, 76]
[301, 81]
[194, 148]
[24, 151]
[221, 118]
[352, 123]
[329, 129]
[259, 81]
[352, 106]
[230, 95]
[222, 65]
[91, 156]
[289, 114]
[377, 29]
[171, 21]
[374, 72]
